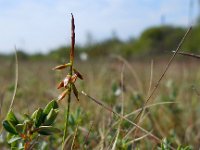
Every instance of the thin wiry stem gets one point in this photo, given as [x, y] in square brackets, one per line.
[148, 106]
[161, 77]
[133, 128]
[133, 72]
[75, 134]
[150, 117]
[88, 134]
[122, 89]
[138, 139]
[16, 79]
[67, 120]
[151, 79]
[188, 54]
[147, 110]
[117, 136]
[122, 109]
[163, 74]
[143, 110]
[120, 116]
[1, 102]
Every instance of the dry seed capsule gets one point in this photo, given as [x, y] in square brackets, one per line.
[75, 91]
[73, 78]
[78, 74]
[62, 95]
[60, 85]
[66, 80]
[60, 67]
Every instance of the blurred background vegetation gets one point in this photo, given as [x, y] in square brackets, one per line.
[178, 122]
[157, 40]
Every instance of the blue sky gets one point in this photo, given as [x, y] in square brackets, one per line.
[41, 25]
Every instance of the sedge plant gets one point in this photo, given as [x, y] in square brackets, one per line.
[68, 83]
[24, 134]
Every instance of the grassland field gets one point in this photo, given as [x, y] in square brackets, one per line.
[177, 121]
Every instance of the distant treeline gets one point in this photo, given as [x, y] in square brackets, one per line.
[159, 40]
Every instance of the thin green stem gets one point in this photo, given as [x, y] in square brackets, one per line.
[67, 120]
[70, 84]
[68, 109]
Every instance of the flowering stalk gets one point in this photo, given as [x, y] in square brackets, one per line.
[70, 75]
[68, 83]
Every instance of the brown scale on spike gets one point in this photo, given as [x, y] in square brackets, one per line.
[68, 83]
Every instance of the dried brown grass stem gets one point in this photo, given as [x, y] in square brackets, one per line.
[165, 70]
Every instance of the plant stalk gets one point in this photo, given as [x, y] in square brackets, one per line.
[67, 119]
[70, 84]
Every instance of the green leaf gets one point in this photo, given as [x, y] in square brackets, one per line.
[20, 128]
[27, 117]
[51, 116]
[12, 118]
[53, 104]
[39, 119]
[184, 148]
[9, 136]
[72, 121]
[14, 139]
[9, 127]
[34, 114]
[47, 130]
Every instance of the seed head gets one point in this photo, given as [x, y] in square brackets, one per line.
[62, 95]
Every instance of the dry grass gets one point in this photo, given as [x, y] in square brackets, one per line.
[176, 121]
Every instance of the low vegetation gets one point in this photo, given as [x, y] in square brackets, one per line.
[119, 105]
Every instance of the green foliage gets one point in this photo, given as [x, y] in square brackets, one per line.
[9, 127]
[185, 148]
[158, 40]
[154, 40]
[75, 118]
[12, 118]
[51, 116]
[47, 130]
[105, 48]
[22, 133]
[166, 145]
[59, 54]
[39, 118]
[22, 55]
[192, 45]
[51, 105]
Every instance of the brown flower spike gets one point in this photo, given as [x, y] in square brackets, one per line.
[68, 83]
